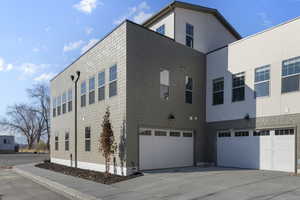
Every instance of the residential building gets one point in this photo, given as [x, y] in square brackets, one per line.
[183, 89]
[7, 144]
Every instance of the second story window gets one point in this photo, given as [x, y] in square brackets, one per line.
[290, 75]
[164, 84]
[70, 99]
[67, 141]
[262, 81]
[54, 107]
[101, 86]
[238, 87]
[218, 91]
[161, 29]
[87, 138]
[56, 143]
[58, 102]
[64, 103]
[83, 94]
[189, 38]
[92, 90]
[188, 90]
[113, 81]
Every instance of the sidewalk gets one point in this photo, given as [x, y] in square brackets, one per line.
[73, 187]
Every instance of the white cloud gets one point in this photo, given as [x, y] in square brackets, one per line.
[31, 68]
[48, 28]
[88, 30]
[91, 43]
[265, 19]
[73, 45]
[44, 77]
[87, 6]
[36, 49]
[5, 67]
[137, 13]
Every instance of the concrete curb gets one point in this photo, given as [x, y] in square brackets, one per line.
[55, 187]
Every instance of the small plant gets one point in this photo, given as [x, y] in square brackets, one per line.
[107, 141]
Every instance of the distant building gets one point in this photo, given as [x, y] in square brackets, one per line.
[7, 143]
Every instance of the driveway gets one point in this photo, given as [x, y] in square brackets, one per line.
[16, 187]
[211, 183]
[7, 160]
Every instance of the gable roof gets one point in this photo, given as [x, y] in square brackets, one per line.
[179, 4]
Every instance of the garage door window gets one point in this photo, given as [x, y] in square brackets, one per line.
[160, 133]
[284, 132]
[241, 133]
[187, 134]
[146, 132]
[174, 134]
[224, 134]
[261, 133]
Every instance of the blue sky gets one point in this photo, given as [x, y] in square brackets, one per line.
[40, 38]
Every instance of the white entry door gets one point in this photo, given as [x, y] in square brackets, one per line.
[264, 149]
[160, 149]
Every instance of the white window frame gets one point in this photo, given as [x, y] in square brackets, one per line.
[266, 67]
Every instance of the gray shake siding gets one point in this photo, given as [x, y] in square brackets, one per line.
[274, 122]
[139, 54]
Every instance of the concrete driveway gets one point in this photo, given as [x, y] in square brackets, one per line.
[7, 160]
[212, 183]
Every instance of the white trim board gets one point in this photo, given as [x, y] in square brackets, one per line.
[93, 166]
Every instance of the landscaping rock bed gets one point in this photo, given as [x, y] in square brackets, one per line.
[86, 174]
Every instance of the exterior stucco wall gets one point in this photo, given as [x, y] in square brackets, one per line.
[267, 48]
[111, 50]
[209, 33]
[168, 21]
[283, 121]
[148, 52]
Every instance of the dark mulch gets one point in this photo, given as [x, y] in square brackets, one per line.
[86, 174]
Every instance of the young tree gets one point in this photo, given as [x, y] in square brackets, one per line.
[41, 98]
[107, 141]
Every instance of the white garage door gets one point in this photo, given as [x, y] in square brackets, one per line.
[160, 149]
[264, 149]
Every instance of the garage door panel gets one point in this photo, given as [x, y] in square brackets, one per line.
[165, 151]
[268, 152]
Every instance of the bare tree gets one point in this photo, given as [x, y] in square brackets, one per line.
[107, 141]
[23, 119]
[41, 97]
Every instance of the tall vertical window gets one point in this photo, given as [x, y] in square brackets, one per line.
[58, 101]
[218, 91]
[87, 138]
[70, 99]
[188, 90]
[238, 87]
[67, 141]
[189, 38]
[56, 143]
[262, 81]
[164, 84]
[54, 107]
[290, 75]
[64, 103]
[92, 90]
[83, 94]
[161, 29]
[113, 81]
[101, 86]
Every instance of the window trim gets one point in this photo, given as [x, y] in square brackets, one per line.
[164, 85]
[82, 94]
[264, 81]
[216, 92]
[112, 81]
[103, 85]
[88, 139]
[92, 90]
[187, 35]
[67, 141]
[232, 88]
[186, 90]
[70, 99]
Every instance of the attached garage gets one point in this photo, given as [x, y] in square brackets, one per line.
[260, 149]
[160, 149]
